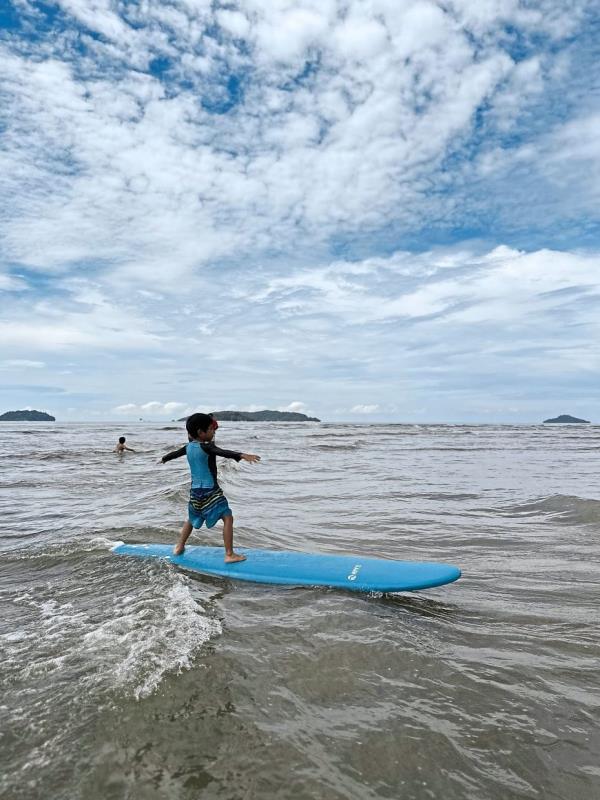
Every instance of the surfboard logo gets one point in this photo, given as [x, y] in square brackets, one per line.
[355, 570]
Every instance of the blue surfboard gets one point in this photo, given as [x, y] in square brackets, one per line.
[304, 569]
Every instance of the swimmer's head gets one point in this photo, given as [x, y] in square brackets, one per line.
[199, 424]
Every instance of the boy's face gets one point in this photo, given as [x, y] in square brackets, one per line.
[206, 436]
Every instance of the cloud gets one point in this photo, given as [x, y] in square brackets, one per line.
[21, 363]
[243, 204]
[177, 136]
[410, 330]
[296, 406]
[153, 409]
[11, 283]
[77, 314]
[466, 286]
[364, 409]
[36, 388]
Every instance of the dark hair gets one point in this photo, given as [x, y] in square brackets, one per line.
[121, 440]
[198, 422]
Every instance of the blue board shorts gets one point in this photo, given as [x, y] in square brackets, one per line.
[207, 506]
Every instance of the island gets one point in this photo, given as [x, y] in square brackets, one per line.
[26, 416]
[566, 419]
[260, 416]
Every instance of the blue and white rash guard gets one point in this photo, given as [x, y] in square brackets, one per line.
[202, 458]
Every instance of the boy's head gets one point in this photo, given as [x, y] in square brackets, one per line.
[201, 427]
[121, 440]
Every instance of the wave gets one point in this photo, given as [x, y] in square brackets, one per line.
[151, 636]
[441, 495]
[565, 508]
[60, 455]
[39, 432]
[179, 494]
[476, 448]
[146, 622]
[356, 445]
[117, 642]
[67, 454]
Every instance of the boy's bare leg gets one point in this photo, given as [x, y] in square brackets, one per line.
[230, 556]
[186, 529]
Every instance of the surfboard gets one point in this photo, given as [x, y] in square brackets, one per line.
[303, 569]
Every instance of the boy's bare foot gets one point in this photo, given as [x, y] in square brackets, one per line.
[178, 549]
[231, 559]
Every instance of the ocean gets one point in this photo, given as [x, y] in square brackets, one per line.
[130, 679]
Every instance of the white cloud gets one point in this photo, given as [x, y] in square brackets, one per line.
[11, 283]
[283, 35]
[153, 409]
[21, 363]
[82, 317]
[178, 180]
[360, 37]
[127, 408]
[365, 409]
[296, 406]
[106, 164]
[234, 22]
[499, 284]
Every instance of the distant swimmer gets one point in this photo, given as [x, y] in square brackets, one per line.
[120, 447]
[207, 502]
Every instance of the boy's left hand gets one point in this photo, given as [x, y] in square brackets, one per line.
[250, 457]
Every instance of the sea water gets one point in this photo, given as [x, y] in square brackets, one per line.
[131, 679]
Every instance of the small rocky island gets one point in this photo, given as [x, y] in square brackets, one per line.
[566, 419]
[260, 416]
[26, 416]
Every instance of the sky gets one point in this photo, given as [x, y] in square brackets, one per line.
[385, 210]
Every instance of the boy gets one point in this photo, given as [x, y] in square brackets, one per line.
[207, 501]
[120, 447]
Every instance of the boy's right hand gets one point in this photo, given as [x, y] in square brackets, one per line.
[250, 457]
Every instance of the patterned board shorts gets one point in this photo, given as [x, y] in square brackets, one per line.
[207, 506]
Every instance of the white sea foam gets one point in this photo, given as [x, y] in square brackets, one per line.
[103, 541]
[158, 633]
[126, 641]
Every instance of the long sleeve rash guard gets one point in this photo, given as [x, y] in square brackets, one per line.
[211, 450]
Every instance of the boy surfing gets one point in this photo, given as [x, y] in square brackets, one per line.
[207, 502]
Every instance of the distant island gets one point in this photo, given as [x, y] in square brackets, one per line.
[26, 416]
[260, 416]
[566, 419]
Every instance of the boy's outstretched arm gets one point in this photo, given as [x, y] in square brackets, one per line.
[209, 447]
[174, 454]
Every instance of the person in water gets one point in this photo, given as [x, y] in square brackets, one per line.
[120, 447]
[207, 502]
